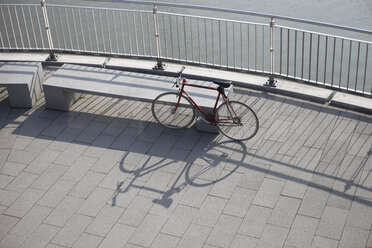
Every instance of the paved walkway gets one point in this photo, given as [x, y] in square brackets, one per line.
[104, 174]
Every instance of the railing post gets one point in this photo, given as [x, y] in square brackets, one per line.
[159, 65]
[271, 82]
[52, 56]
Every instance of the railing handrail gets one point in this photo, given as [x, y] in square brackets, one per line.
[286, 18]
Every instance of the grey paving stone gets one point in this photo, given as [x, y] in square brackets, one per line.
[24, 202]
[22, 182]
[87, 184]
[99, 146]
[70, 154]
[126, 192]
[91, 132]
[342, 194]
[116, 126]
[7, 223]
[314, 202]
[126, 139]
[302, 231]
[136, 211]
[21, 142]
[365, 185]
[51, 175]
[8, 197]
[3, 156]
[210, 211]
[268, 193]
[278, 131]
[332, 222]
[147, 230]
[242, 241]
[151, 133]
[12, 240]
[42, 161]
[266, 152]
[107, 161]
[239, 202]
[284, 212]
[369, 241]
[41, 236]
[180, 219]
[195, 236]
[7, 142]
[165, 241]
[2, 209]
[63, 212]
[224, 231]
[360, 214]
[281, 167]
[78, 169]
[360, 144]
[12, 169]
[354, 237]
[322, 242]
[96, 201]
[297, 183]
[31, 221]
[72, 230]
[63, 140]
[38, 145]
[255, 221]
[22, 157]
[56, 193]
[253, 176]
[104, 221]
[273, 236]
[118, 236]
[87, 241]
[114, 178]
[226, 186]
[81, 121]
[156, 184]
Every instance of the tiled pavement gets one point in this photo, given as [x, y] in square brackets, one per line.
[104, 174]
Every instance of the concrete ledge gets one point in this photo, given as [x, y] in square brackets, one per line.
[23, 57]
[357, 103]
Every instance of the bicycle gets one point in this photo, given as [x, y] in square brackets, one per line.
[176, 110]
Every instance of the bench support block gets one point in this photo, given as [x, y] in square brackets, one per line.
[58, 99]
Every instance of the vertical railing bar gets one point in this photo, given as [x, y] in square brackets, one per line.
[281, 51]
[234, 52]
[55, 27]
[248, 42]
[130, 39]
[122, 30]
[24, 22]
[19, 27]
[303, 54]
[348, 70]
[148, 33]
[184, 34]
[295, 56]
[95, 30]
[143, 34]
[197, 21]
[220, 41]
[213, 59]
[325, 61]
[77, 37]
[88, 26]
[63, 31]
[103, 36]
[263, 48]
[116, 32]
[171, 33]
[38, 22]
[135, 31]
[178, 39]
[333, 60]
[317, 60]
[241, 47]
[227, 46]
[342, 57]
[6, 29]
[109, 31]
[206, 43]
[192, 41]
[357, 67]
[288, 39]
[82, 31]
[68, 28]
[365, 70]
[310, 53]
[255, 45]
[1, 36]
[11, 24]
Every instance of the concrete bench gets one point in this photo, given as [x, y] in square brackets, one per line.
[70, 81]
[23, 81]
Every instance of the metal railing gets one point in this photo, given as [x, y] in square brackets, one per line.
[314, 57]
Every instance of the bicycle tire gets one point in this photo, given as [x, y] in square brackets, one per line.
[247, 125]
[163, 110]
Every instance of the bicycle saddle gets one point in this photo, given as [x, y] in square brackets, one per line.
[224, 84]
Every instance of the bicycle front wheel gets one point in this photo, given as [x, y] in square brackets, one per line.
[170, 112]
[236, 120]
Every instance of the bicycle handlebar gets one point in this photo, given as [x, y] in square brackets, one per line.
[180, 72]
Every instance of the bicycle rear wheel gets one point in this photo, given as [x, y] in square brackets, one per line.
[169, 113]
[236, 120]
